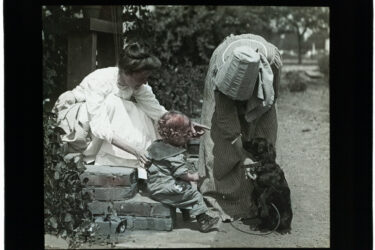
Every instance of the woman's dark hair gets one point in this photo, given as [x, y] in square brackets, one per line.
[135, 59]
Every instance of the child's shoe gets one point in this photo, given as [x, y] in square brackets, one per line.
[206, 222]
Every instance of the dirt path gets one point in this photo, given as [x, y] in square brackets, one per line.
[303, 153]
[304, 156]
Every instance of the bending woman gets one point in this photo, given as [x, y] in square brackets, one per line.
[232, 122]
[109, 116]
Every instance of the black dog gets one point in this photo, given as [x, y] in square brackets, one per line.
[270, 187]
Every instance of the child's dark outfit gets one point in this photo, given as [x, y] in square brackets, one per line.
[165, 185]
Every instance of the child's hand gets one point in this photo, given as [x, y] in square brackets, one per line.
[190, 177]
[195, 177]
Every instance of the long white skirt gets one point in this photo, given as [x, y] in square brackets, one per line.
[130, 123]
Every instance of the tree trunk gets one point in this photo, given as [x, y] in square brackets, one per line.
[299, 48]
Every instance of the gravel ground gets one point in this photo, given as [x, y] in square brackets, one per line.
[303, 153]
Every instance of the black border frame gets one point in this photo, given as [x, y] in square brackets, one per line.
[351, 120]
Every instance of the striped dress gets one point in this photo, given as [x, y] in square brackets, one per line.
[223, 181]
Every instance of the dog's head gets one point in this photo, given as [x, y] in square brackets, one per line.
[261, 150]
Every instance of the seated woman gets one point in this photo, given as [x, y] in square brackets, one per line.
[168, 176]
[109, 115]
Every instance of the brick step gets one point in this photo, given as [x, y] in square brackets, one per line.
[115, 225]
[133, 223]
[139, 205]
[107, 176]
[111, 193]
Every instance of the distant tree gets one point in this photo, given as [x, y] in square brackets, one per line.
[318, 38]
[299, 19]
[245, 19]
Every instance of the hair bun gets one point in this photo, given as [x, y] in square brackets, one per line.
[134, 51]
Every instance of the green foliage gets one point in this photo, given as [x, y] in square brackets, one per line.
[180, 89]
[180, 34]
[65, 208]
[323, 63]
[54, 43]
[174, 35]
[183, 38]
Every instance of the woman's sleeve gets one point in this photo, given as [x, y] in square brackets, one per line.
[276, 65]
[95, 93]
[147, 101]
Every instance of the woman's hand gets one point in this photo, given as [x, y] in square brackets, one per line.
[248, 164]
[198, 129]
[248, 161]
[142, 157]
[141, 154]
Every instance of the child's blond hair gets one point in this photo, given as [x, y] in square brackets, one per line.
[174, 124]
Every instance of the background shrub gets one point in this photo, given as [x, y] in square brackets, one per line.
[297, 81]
[183, 38]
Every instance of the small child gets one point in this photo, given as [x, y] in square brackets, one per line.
[168, 177]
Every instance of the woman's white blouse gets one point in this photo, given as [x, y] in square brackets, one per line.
[96, 86]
